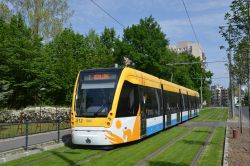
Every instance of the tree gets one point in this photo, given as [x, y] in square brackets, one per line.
[45, 17]
[145, 44]
[66, 55]
[5, 13]
[18, 52]
[237, 34]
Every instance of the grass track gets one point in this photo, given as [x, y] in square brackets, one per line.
[61, 156]
[213, 152]
[183, 151]
[127, 155]
[130, 155]
[211, 115]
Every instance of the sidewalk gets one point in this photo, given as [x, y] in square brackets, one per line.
[19, 142]
[238, 150]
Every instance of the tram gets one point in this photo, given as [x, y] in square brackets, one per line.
[120, 105]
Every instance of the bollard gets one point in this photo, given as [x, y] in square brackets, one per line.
[26, 133]
[235, 133]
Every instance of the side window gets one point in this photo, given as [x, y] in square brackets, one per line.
[166, 102]
[173, 102]
[186, 102]
[151, 101]
[128, 102]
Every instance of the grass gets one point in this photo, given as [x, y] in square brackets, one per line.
[214, 151]
[127, 155]
[14, 130]
[130, 155]
[211, 115]
[182, 152]
[61, 156]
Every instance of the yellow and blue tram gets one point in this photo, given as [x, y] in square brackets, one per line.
[120, 105]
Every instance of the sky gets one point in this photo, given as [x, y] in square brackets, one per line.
[206, 16]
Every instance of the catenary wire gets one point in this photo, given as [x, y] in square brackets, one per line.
[97, 5]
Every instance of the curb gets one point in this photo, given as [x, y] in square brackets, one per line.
[30, 152]
[226, 147]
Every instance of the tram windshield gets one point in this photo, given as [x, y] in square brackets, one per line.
[95, 93]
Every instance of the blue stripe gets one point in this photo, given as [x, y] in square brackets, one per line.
[184, 117]
[173, 122]
[153, 129]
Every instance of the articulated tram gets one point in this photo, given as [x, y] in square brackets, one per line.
[115, 106]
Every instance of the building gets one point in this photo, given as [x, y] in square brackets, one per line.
[220, 96]
[189, 47]
[224, 97]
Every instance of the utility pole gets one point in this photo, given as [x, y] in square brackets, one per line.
[201, 79]
[201, 92]
[231, 87]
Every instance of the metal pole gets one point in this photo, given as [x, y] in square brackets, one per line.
[26, 134]
[201, 93]
[230, 74]
[240, 113]
[58, 129]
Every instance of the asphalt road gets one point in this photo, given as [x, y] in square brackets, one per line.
[19, 142]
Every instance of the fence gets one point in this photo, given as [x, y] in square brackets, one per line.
[34, 120]
[10, 130]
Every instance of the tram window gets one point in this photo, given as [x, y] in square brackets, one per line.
[190, 102]
[151, 101]
[186, 102]
[173, 102]
[128, 102]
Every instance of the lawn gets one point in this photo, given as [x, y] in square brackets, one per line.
[214, 151]
[61, 156]
[127, 155]
[130, 155]
[211, 115]
[182, 152]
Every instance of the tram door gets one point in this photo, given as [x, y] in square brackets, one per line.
[143, 112]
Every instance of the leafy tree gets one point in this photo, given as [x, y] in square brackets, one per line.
[45, 17]
[66, 55]
[145, 44]
[5, 92]
[237, 35]
[18, 50]
[5, 12]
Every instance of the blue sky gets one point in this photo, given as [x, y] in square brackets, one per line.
[206, 16]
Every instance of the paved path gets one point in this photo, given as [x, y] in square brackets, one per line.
[245, 117]
[19, 142]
